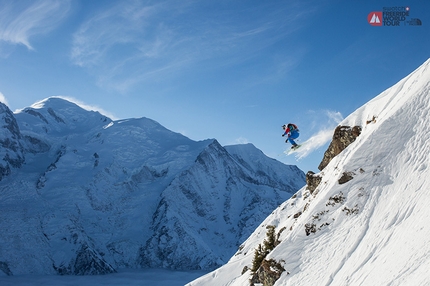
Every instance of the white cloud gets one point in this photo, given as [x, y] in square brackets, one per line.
[87, 106]
[334, 116]
[240, 140]
[3, 99]
[136, 41]
[21, 20]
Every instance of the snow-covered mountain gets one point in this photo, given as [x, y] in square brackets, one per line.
[82, 194]
[365, 221]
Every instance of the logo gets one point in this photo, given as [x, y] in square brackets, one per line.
[375, 18]
[392, 16]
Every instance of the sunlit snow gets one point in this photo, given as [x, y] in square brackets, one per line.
[372, 230]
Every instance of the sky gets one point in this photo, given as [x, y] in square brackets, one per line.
[231, 70]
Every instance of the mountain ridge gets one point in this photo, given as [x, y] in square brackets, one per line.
[94, 195]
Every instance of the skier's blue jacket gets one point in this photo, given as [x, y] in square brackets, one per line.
[293, 133]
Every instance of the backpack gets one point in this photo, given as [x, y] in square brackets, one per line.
[293, 126]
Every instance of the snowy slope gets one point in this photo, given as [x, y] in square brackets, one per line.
[371, 230]
[95, 195]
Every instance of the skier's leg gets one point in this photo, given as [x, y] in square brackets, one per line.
[294, 135]
[291, 141]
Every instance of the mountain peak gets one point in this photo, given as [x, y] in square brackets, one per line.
[54, 102]
[59, 116]
[59, 103]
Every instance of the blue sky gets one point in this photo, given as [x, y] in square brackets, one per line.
[232, 70]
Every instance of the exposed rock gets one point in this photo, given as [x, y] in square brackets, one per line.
[343, 136]
[36, 145]
[336, 199]
[87, 262]
[346, 177]
[373, 120]
[5, 268]
[297, 215]
[312, 181]
[310, 228]
[37, 114]
[56, 117]
[351, 211]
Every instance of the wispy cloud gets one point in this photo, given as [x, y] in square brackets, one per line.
[3, 99]
[137, 41]
[328, 120]
[88, 106]
[22, 20]
[240, 140]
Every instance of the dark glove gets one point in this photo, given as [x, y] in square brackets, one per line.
[283, 135]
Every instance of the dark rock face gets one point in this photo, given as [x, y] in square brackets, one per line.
[87, 262]
[312, 181]
[35, 145]
[346, 177]
[342, 137]
[5, 268]
[11, 149]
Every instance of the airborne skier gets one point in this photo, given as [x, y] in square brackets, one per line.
[293, 133]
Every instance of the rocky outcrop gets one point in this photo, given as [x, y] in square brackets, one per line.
[346, 177]
[312, 181]
[343, 136]
[5, 268]
[90, 262]
[87, 262]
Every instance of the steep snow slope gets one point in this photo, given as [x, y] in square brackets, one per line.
[371, 230]
[95, 195]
